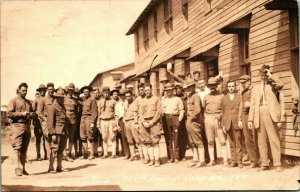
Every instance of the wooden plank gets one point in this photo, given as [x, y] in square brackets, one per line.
[293, 146]
[290, 132]
[271, 22]
[291, 139]
[290, 152]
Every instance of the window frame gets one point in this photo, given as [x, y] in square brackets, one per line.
[146, 35]
[168, 16]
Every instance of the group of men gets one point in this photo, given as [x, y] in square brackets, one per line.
[189, 114]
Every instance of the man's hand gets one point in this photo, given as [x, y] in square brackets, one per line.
[240, 124]
[250, 125]
[92, 125]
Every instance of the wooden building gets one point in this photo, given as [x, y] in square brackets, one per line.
[113, 76]
[231, 37]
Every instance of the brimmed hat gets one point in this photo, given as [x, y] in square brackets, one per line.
[244, 78]
[189, 82]
[59, 92]
[178, 85]
[42, 86]
[168, 86]
[114, 90]
[71, 86]
[212, 81]
[86, 87]
[218, 78]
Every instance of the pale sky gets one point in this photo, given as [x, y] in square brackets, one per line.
[63, 41]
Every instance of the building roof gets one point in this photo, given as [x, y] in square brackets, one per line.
[146, 12]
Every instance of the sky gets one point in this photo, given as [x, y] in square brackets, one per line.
[63, 41]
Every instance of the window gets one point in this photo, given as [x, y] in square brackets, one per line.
[212, 68]
[294, 42]
[243, 39]
[185, 12]
[137, 42]
[145, 34]
[168, 15]
[155, 25]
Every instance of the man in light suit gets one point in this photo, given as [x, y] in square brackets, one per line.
[230, 111]
[266, 115]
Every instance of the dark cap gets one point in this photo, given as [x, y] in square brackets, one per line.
[50, 85]
[71, 86]
[244, 78]
[105, 88]
[168, 86]
[263, 68]
[114, 90]
[41, 87]
[86, 87]
[59, 92]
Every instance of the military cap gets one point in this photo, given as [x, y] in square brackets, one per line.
[244, 78]
[59, 92]
[50, 85]
[168, 86]
[189, 82]
[86, 87]
[105, 88]
[212, 81]
[71, 86]
[41, 87]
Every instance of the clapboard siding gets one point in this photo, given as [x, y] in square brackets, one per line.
[269, 42]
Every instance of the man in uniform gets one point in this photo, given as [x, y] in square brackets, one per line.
[212, 118]
[230, 111]
[71, 106]
[42, 109]
[77, 140]
[150, 125]
[173, 110]
[193, 125]
[98, 136]
[108, 122]
[38, 132]
[20, 112]
[56, 124]
[88, 121]
[249, 135]
[266, 115]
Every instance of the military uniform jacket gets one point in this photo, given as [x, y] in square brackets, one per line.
[16, 106]
[43, 107]
[71, 106]
[56, 119]
[89, 107]
[193, 104]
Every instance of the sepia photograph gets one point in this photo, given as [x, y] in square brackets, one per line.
[149, 95]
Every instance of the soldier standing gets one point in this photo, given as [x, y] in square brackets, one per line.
[38, 132]
[151, 128]
[20, 112]
[98, 136]
[88, 121]
[173, 110]
[250, 136]
[77, 140]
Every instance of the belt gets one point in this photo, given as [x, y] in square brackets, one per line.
[86, 114]
[107, 119]
[129, 119]
[171, 115]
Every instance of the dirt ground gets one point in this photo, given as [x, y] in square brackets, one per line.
[119, 174]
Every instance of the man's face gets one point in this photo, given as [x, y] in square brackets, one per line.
[115, 96]
[106, 94]
[189, 90]
[43, 92]
[23, 92]
[60, 100]
[263, 77]
[148, 91]
[201, 85]
[70, 92]
[142, 91]
[170, 92]
[128, 96]
[197, 76]
[96, 94]
[86, 93]
[50, 90]
[245, 84]
[178, 90]
[231, 87]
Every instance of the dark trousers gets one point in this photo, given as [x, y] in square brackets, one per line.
[235, 142]
[173, 127]
[182, 139]
[57, 145]
[250, 139]
[166, 135]
[204, 140]
[38, 133]
[77, 140]
[124, 142]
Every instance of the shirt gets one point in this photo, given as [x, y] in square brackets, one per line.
[151, 108]
[56, 119]
[203, 93]
[43, 107]
[16, 107]
[119, 109]
[89, 107]
[107, 108]
[71, 105]
[130, 109]
[172, 106]
[213, 104]
[193, 106]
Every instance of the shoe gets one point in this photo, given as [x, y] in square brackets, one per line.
[104, 157]
[152, 162]
[62, 170]
[211, 163]
[225, 163]
[240, 165]
[126, 157]
[146, 161]
[279, 168]
[69, 159]
[45, 157]
[200, 164]
[83, 157]
[193, 163]
[263, 168]
[176, 161]
[157, 163]
[233, 164]
[253, 165]
[18, 172]
[113, 157]
[132, 158]
[96, 155]
[91, 157]
[25, 172]
[52, 171]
